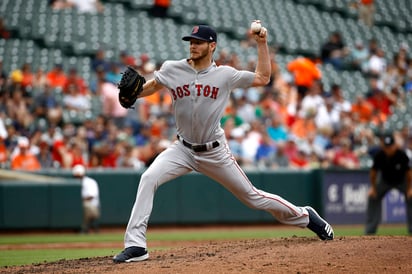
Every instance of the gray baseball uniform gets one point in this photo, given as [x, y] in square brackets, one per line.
[199, 100]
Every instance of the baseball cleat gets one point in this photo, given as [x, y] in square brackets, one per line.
[319, 225]
[131, 254]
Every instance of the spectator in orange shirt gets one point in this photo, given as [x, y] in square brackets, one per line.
[303, 126]
[362, 110]
[305, 73]
[57, 77]
[25, 160]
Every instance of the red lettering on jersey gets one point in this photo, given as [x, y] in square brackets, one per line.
[215, 90]
[206, 91]
[173, 94]
[179, 91]
[186, 89]
[199, 89]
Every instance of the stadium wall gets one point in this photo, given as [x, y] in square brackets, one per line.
[190, 199]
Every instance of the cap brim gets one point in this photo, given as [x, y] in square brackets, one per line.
[187, 38]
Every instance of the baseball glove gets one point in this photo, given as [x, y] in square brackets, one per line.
[130, 87]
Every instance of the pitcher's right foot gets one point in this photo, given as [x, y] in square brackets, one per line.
[131, 254]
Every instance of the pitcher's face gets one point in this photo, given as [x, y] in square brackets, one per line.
[200, 49]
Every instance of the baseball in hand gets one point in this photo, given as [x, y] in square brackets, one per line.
[256, 26]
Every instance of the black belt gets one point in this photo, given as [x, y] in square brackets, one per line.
[199, 148]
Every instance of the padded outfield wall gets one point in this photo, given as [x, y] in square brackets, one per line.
[190, 199]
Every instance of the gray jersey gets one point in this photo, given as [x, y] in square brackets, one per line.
[206, 91]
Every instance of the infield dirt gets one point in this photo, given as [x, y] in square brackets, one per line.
[354, 254]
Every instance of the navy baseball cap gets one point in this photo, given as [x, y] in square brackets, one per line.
[202, 32]
[388, 140]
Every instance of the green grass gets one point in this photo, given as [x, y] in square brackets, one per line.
[60, 238]
[10, 257]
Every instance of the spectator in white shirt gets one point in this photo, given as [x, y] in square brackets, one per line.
[377, 63]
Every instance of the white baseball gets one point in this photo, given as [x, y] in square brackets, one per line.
[256, 26]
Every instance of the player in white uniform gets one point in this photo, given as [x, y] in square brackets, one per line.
[200, 90]
[90, 199]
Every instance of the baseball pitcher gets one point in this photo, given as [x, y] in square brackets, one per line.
[200, 90]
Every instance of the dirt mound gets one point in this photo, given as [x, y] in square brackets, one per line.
[365, 254]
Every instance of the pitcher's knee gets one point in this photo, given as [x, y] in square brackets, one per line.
[148, 180]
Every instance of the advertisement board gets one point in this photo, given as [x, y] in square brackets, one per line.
[393, 207]
[345, 199]
[344, 196]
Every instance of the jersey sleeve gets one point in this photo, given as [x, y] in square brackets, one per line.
[240, 78]
[163, 74]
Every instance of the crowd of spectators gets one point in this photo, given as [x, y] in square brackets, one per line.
[38, 111]
[293, 122]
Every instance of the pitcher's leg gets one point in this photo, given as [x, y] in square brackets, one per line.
[232, 177]
[170, 164]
